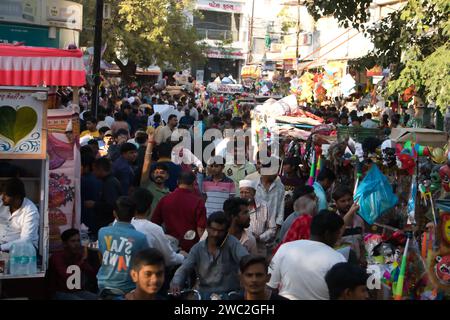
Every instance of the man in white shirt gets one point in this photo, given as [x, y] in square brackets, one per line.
[154, 233]
[271, 190]
[164, 134]
[369, 123]
[19, 217]
[262, 225]
[299, 267]
[182, 155]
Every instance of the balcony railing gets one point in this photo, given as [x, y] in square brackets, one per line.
[216, 34]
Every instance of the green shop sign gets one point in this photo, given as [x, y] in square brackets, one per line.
[30, 35]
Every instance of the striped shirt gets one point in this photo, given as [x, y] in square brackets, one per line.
[217, 193]
[261, 224]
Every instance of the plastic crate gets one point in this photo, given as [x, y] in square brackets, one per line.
[359, 134]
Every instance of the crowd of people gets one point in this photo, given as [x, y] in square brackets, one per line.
[167, 221]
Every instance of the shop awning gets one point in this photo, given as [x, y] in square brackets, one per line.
[36, 66]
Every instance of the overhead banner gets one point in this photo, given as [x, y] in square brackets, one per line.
[22, 123]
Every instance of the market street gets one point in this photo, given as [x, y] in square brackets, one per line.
[224, 150]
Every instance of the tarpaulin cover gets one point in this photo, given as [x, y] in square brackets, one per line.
[36, 66]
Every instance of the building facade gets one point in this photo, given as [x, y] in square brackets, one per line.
[235, 33]
[41, 23]
[323, 40]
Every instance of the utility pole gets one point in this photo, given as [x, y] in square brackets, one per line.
[250, 35]
[97, 54]
[297, 31]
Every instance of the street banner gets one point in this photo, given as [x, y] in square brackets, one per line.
[64, 172]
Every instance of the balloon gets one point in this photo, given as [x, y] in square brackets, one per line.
[438, 156]
[406, 163]
[221, 99]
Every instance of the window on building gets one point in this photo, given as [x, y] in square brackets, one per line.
[217, 25]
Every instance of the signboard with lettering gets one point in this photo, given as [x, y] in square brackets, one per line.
[53, 13]
[221, 6]
[35, 36]
[224, 88]
[225, 54]
[21, 11]
[22, 123]
[64, 14]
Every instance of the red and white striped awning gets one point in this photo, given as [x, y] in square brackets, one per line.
[35, 66]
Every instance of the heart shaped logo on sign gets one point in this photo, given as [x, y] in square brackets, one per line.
[17, 124]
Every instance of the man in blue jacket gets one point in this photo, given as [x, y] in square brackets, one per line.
[118, 243]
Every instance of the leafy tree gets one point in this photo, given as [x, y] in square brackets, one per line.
[413, 42]
[348, 12]
[143, 32]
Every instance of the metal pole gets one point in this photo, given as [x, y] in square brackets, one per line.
[250, 40]
[97, 53]
[298, 30]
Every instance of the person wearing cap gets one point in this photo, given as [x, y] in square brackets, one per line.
[102, 132]
[217, 187]
[305, 202]
[108, 141]
[123, 167]
[262, 226]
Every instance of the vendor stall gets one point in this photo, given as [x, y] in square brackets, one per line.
[37, 143]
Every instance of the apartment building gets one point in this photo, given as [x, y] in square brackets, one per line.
[235, 32]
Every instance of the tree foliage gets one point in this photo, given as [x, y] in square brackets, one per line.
[144, 33]
[347, 12]
[425, 51]
[287, 18]
[413, 42]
